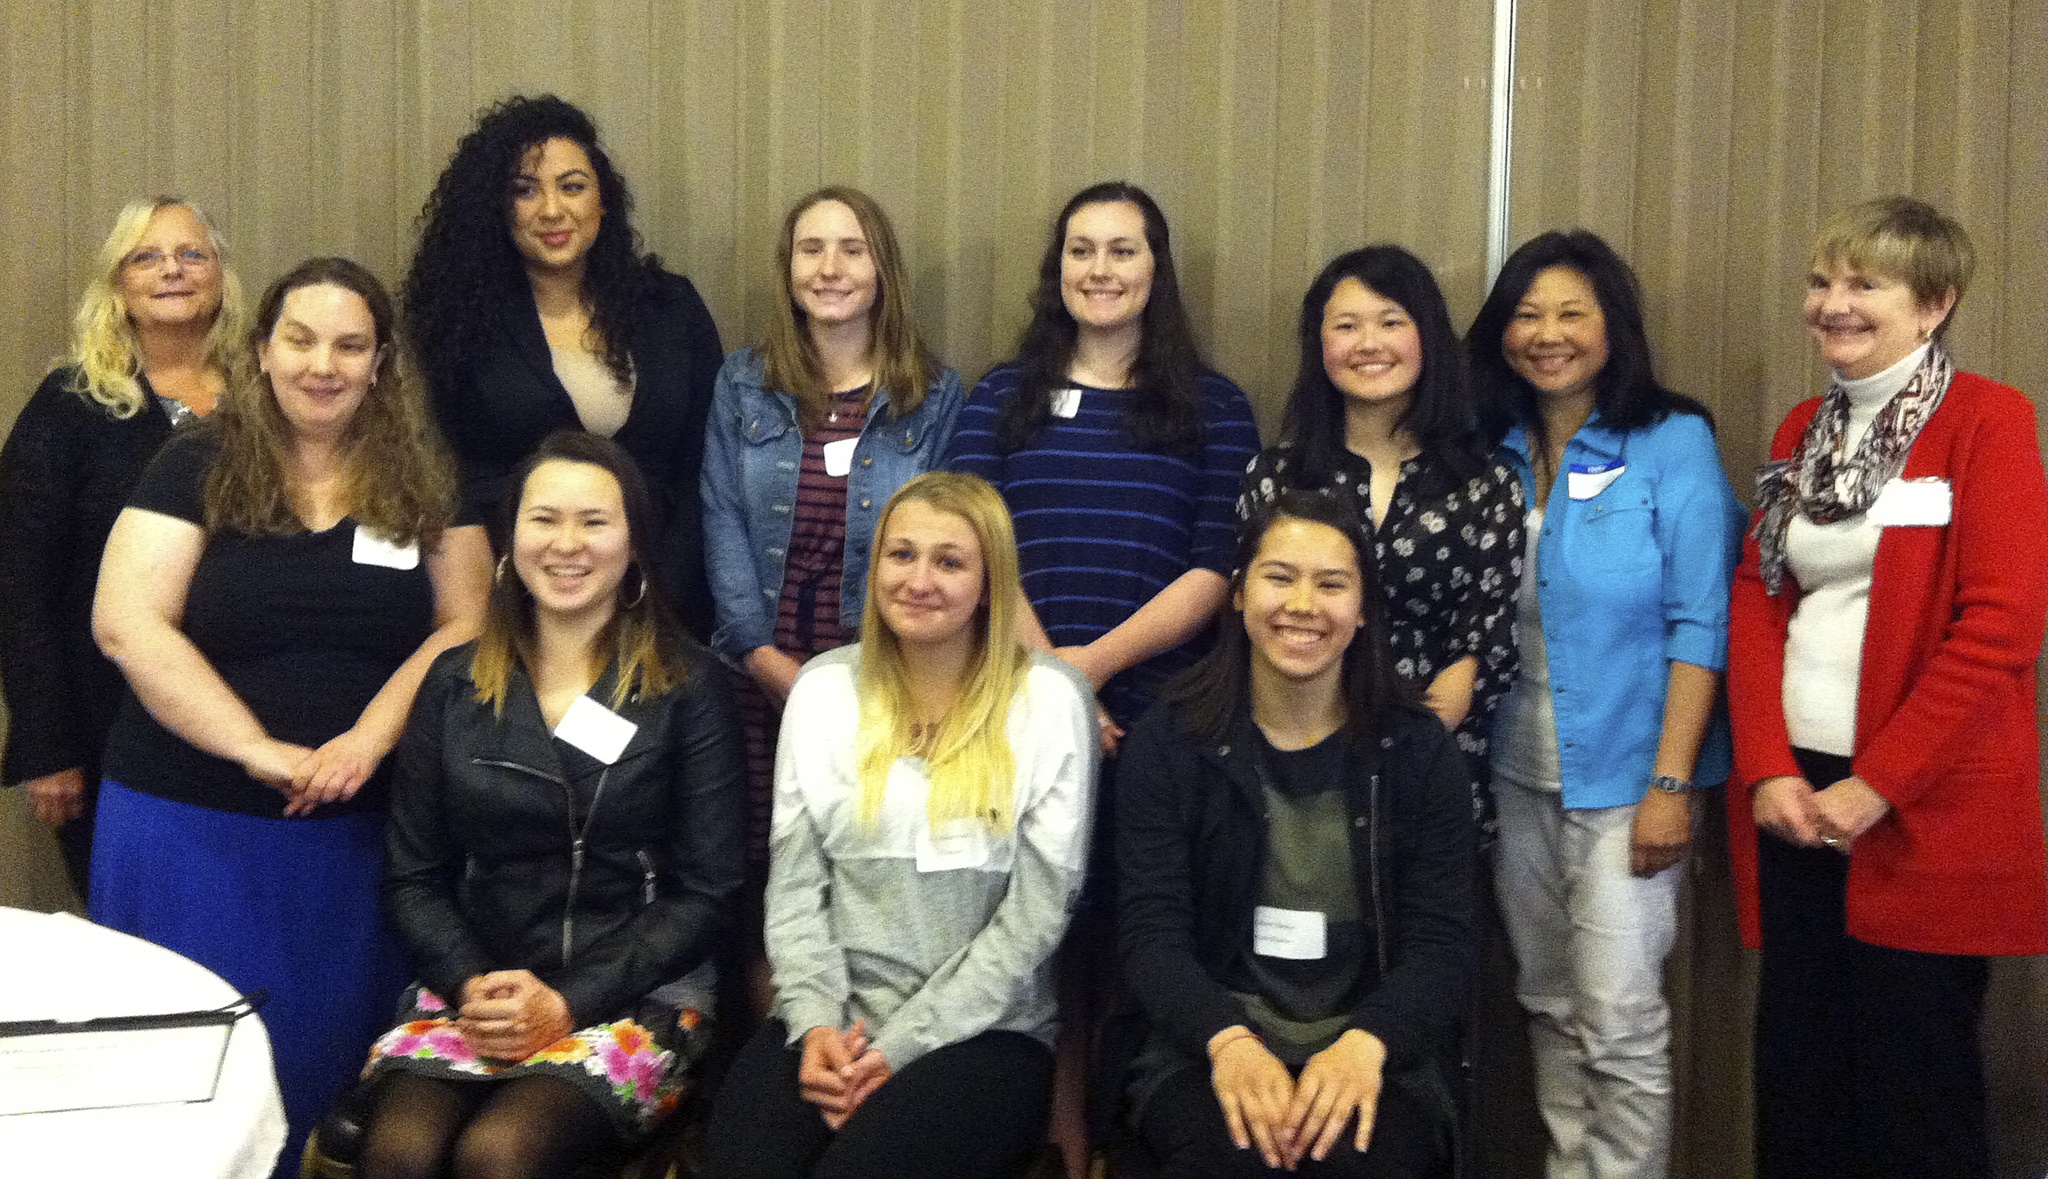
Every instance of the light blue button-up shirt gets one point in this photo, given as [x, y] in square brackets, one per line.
[1639, 542]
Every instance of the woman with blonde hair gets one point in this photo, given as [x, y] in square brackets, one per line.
[275, 590]
[153, 345]
[932, 802]
[810, 434]
[1885, 825]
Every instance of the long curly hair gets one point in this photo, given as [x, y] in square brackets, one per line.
[466, 270]
[104, 347]
[1165, 410]
[903, 363]
[398, 478]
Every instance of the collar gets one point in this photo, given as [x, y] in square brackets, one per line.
[1594, 440]
[523, 735]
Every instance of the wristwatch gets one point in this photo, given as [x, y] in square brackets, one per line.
[1670, 784]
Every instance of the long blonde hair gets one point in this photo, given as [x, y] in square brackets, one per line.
[969, 765]
[903, 364]
[104, 347]
[399, 477]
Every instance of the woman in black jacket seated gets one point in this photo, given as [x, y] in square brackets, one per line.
[564, 846]
[532, 309]
[1295, 854]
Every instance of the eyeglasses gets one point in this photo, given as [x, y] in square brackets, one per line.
[191, 256]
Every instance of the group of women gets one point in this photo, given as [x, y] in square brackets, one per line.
[1069, 643]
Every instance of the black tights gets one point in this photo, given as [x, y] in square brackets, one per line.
[529, 1128]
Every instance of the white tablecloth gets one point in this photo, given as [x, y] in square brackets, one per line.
[56, 966]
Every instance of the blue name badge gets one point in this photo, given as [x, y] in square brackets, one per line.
[1584, 482]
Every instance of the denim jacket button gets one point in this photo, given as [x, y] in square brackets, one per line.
[868, 462]
[864, 501]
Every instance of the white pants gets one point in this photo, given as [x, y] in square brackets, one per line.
[1590, 941]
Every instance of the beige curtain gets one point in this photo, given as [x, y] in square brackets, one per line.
[1704, 139]
[1708, 141]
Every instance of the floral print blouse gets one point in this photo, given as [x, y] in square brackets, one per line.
[1449, 555]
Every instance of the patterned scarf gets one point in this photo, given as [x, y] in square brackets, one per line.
[1823, 484]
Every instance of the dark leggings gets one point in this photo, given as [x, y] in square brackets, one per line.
[1182, 1125]
[529, 1128]
[1867, 1059]
[971, 1110]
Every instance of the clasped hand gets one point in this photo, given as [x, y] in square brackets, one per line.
[510, 1014]
[1287, 1117]
[309, 778]
[1790, 808]
[839, 1071]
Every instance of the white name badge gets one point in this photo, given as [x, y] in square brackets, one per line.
[595, 729]
[960, 843]
[839, 457]
[372, 549]
[1298, 934]
[1912, 502]
[1587, 482]
[1066, 403]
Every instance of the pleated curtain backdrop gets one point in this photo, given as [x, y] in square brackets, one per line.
[1705, 139]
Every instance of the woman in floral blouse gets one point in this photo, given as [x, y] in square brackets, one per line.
[1380, 417]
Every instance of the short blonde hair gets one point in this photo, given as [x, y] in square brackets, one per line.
[1906, 239]
[103, 342]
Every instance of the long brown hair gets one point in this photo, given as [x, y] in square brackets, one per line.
[903, 364]
[643, 636]
[398, 480]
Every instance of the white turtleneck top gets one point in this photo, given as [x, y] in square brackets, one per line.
[1832, 563]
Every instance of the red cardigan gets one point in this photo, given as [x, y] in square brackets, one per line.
[1945, 725]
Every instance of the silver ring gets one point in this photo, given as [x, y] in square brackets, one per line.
[1831, 841]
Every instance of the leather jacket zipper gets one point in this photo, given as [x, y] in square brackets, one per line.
[576, 838]
[646, 876]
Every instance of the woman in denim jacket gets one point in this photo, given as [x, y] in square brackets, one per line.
[810, 434]
[1623, 629]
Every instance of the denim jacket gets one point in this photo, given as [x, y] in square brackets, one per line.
[1633, 566]
[752, 454]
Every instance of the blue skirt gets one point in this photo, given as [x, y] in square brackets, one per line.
[287, 905]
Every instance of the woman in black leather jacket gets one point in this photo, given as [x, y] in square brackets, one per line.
[1295, 854]
[563, 851]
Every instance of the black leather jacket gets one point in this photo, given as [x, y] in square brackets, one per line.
[488, 866]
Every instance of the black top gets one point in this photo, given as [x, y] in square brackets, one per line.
[300, 631]
[1300, 1004]
[496, 406]
[65, 474]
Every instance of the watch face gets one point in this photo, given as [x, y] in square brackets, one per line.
[1671, 785]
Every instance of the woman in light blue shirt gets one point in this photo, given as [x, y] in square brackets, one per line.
[1623, 629]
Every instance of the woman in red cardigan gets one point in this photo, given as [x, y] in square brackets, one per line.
[1885, 622]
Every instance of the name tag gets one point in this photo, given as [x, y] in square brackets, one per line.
[595, 729]
[960, 843]
[839, 457]
[1913, 502]
[1583, 482]
[1066, 403]
[372, 549]
[1298, 934]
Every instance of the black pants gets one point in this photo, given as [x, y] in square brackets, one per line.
[971, 1110]
[1182, 1124]
[1867, 1058]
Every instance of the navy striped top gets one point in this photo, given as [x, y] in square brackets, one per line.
[1103, 526]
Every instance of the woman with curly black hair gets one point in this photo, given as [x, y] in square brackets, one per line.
[533, 309]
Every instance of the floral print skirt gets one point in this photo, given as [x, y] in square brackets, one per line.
[635, 1072]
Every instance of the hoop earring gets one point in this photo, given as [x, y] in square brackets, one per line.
[498, 577]
[639, 594]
